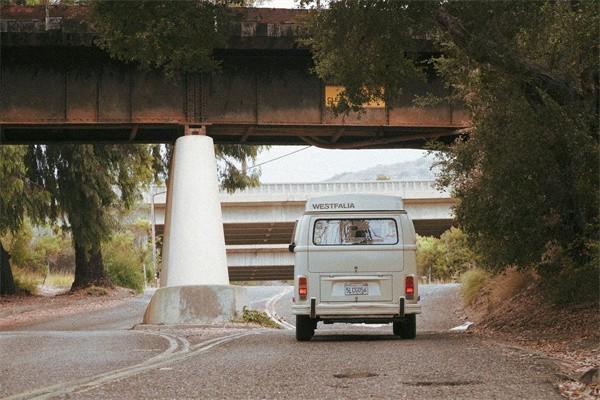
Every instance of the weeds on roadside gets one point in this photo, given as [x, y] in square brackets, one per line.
[472, 281]
[26, 281]
[258, 317]
[58, 279]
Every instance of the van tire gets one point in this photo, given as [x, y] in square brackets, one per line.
[408, 329]
[305, 328]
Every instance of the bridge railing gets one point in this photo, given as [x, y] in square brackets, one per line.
[401, 188]
[413, 189]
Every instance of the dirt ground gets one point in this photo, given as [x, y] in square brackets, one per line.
[19, 309]
[512, 309]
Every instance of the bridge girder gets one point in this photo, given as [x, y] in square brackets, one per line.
[58, 87]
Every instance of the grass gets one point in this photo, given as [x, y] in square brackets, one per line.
[258, 317]
[472, 282]
[26, 281]
[508, 284]
[59, 279]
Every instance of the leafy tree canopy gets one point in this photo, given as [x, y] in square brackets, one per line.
[179, 36]
[526, 177]
[86, 183]
[445, 258]
[19, 196]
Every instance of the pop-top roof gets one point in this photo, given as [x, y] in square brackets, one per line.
[354, 202]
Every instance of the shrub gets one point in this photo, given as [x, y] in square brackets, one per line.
[429, 257]
[19, 246]
[54, 252]
[565, 281]
[40, 250]
[26, 281]
[123, 261]
[445, 258]
[258, 317]
[472, 282]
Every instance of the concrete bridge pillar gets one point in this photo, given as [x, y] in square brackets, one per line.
[194, 279]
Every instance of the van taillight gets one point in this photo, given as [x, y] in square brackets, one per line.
[409, 287]
[302, 287]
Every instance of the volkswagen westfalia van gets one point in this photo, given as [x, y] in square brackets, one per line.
[355, 261]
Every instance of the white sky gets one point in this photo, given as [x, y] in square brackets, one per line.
[278, 4]
[314, 164]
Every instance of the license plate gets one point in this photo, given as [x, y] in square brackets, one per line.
[356, 289]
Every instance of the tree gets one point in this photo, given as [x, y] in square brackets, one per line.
[177, 36]
[526, 176]
[86, 182]
[18, 198]
[446, 258]
[429, 253]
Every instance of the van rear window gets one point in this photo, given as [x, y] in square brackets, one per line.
[336, 232]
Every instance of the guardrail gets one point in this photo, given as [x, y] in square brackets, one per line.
[404, 189]
[396, 187]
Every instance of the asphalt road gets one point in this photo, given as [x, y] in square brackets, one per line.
[122, 317]
[98, 356]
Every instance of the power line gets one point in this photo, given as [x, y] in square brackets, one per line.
[278, 158]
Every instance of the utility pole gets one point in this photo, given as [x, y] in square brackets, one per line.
[153, 222]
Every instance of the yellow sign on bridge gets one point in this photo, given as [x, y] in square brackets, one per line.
[332, 98]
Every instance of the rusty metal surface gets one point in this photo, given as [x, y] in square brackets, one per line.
[53, 90]
[51, 101]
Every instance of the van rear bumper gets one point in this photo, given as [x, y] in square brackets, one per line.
[330, 310]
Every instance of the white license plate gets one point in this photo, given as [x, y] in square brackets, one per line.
[356, 289]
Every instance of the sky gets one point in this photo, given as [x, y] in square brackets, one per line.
[314, 164]
[278, 3]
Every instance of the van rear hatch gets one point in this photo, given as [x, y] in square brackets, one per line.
[362, 245]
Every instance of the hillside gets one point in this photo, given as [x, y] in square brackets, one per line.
[419, 169]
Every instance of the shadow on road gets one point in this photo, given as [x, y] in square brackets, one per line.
[375, 336]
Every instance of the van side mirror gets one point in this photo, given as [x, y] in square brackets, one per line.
[291, 247]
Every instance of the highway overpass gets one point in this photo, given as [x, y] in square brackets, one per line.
[258, 222]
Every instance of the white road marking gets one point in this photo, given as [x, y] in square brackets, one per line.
[270, 310]
[462, 328]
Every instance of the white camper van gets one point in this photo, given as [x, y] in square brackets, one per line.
[355, 261]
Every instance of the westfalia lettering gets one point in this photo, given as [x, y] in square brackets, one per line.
[329, 206]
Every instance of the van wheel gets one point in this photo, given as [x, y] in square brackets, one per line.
[305, 328]
[408, 329]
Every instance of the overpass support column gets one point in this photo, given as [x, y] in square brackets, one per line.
[194, 279]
